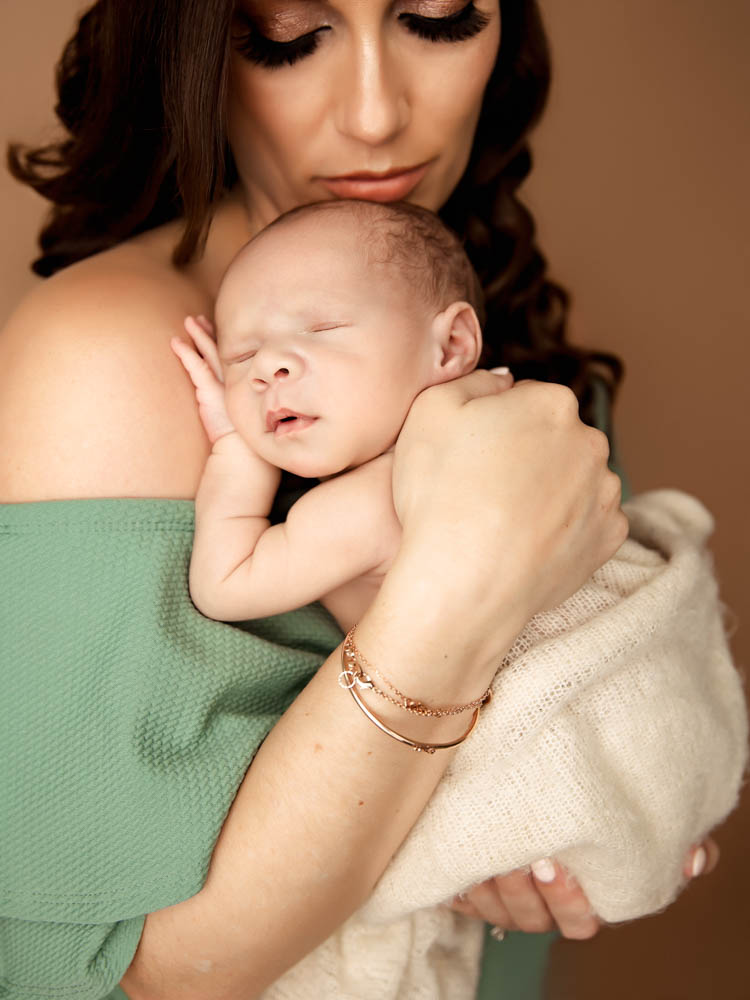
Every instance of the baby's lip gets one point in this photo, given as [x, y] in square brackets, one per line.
[275, 417]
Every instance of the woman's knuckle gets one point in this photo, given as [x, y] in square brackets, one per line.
[622, 526]
[563, 400]
[614, 485]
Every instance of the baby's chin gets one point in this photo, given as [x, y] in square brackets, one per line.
[310, 467]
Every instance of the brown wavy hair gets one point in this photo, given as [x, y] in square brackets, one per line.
[141, 88]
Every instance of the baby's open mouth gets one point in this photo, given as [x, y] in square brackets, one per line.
[280, 422]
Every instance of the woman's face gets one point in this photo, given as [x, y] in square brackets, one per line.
[375, 99]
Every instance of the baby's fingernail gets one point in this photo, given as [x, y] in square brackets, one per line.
[500, 371]
[699, 861]
[543, 870]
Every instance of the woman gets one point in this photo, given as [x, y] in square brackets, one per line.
[193, 125]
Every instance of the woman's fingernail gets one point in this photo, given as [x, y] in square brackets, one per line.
[544, 870]
[500, 371]
[699, 861]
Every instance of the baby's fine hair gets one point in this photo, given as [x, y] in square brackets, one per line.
[427, 254]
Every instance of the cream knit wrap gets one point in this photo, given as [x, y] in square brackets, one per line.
[616, 738]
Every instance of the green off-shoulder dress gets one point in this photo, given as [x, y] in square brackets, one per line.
[128, 721]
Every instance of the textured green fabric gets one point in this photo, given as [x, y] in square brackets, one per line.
[128, 722]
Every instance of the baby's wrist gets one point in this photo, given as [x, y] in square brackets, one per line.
[237, 470]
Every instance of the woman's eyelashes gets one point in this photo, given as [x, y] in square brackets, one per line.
[256, 47]
[465, 23]
[266, 52]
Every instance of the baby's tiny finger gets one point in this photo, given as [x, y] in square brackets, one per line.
[204, 343]
[205, 324]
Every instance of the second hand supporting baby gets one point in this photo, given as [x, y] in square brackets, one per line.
[329, 323]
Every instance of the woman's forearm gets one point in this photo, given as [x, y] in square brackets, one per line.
[327, 802]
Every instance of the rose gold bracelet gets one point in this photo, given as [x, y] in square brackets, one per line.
[414, 744]
[352, 660]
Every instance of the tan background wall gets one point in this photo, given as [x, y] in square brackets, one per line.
[641, 195]
[641, 190]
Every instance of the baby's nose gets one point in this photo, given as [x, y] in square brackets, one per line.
[273, 364]
[261, 382]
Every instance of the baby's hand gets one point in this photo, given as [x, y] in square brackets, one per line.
[202, 364]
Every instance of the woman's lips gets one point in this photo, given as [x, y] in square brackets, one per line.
[390, 186]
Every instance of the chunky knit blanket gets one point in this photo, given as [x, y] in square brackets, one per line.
[615, 739]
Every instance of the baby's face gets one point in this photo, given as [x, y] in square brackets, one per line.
[323, 353]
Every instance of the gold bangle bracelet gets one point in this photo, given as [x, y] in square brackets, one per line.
[427, 747]
[352, 661]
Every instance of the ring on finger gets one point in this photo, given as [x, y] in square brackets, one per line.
[497, 933]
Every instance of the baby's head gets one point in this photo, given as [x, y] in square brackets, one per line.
[332, 320]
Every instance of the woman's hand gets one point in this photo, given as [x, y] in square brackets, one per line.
[201, 362]
[506, 501]
[547, 898]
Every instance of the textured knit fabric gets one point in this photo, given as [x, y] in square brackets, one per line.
[616, 738]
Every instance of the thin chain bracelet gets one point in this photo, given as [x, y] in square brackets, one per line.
[354, 674]
[414, 744]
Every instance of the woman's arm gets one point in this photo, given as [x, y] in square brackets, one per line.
[329, 798]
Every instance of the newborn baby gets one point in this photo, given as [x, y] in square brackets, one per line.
[329, 323]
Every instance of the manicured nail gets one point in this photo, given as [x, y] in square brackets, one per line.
[699, 861]
[500, 371]
[544, 870]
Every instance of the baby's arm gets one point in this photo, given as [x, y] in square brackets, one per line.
[241, 567]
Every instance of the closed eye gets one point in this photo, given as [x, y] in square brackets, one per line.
[457, 27]
[240, 358]
[263, 51]
[321, 327]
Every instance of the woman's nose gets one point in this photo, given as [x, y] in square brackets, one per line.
[371, 97]
[270, 366]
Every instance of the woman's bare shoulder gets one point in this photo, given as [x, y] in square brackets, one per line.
[92, 400]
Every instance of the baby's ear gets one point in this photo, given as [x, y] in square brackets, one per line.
[457, 341]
